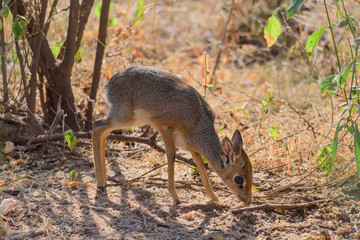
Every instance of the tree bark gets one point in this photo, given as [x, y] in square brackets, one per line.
[59, 75]
[3, 58]
[100, 49]
[85, 10]
[31, 97]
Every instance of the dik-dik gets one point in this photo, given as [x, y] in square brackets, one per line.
[146, 95]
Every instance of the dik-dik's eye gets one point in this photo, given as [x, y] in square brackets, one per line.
[239, 180]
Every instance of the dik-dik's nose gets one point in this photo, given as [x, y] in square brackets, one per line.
[246, 200]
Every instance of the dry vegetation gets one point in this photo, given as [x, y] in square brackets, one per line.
[285, 163]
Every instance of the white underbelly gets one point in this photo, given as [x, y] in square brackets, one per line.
[180, 140]
[143, 117]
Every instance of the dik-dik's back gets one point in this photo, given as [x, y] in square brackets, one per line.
[160, 94]
[146, 95]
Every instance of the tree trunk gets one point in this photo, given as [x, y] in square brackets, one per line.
[31, 93]
[100, 49]
[3, 58]
[59, 75]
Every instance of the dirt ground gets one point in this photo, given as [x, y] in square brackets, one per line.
[283, 145]
[49, 209]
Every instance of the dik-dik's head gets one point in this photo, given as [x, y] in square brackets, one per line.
[237, 172]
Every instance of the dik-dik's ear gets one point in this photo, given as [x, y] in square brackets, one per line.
[237, 142]
[227, 151]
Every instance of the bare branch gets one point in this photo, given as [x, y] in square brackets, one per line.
[69, 55]
[31, 97]
[100, 49]
[222, 42]
[125, 138]
[48, 21]
[3, 60]
[85, 10]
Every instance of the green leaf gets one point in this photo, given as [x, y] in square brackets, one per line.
[79, 54]
[272, 31]
[97, 9]
[334, 146]
[1, 24]
[139, 13]
[350, 130]
[294, 8]
[293, 47]
[112, 22]
[5, 11]
[343, 111]
[73, 174]
[204, 160]
[19, 26]
[357, 146]
[313, 41]
[270, 97]
[274, 132]
[55, 49]
[347, 72]
[70, 139]
[344, 23]
[222, 127]
[322, 154]
[210, 85]
[328, 86]
[266, 110]
[264, 102]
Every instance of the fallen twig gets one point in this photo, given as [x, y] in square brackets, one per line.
[140, 211]
[29, 234]
[137, 178]
[271, 206]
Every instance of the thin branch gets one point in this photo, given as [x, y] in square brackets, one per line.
[69, 59]
[100, 49]
[52, 12]
[85, 10]
[31, 97]
[139, 177]
[222, 42]
[151, 141]
[3, 60]
[30, 234]
[291, 185]
[300, 116]
[12, 121]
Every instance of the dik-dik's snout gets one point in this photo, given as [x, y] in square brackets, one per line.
[246, 200]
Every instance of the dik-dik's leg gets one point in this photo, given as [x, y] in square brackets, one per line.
[208, 189]
[167, 136]
[101, 129]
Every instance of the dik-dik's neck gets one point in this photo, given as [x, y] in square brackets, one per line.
[207, 143]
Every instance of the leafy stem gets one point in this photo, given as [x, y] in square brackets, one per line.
[348, 20]
[336, 51]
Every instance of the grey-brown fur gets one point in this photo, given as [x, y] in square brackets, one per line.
[180, 113]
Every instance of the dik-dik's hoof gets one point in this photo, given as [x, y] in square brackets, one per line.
[177, 202]
[101, 188]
